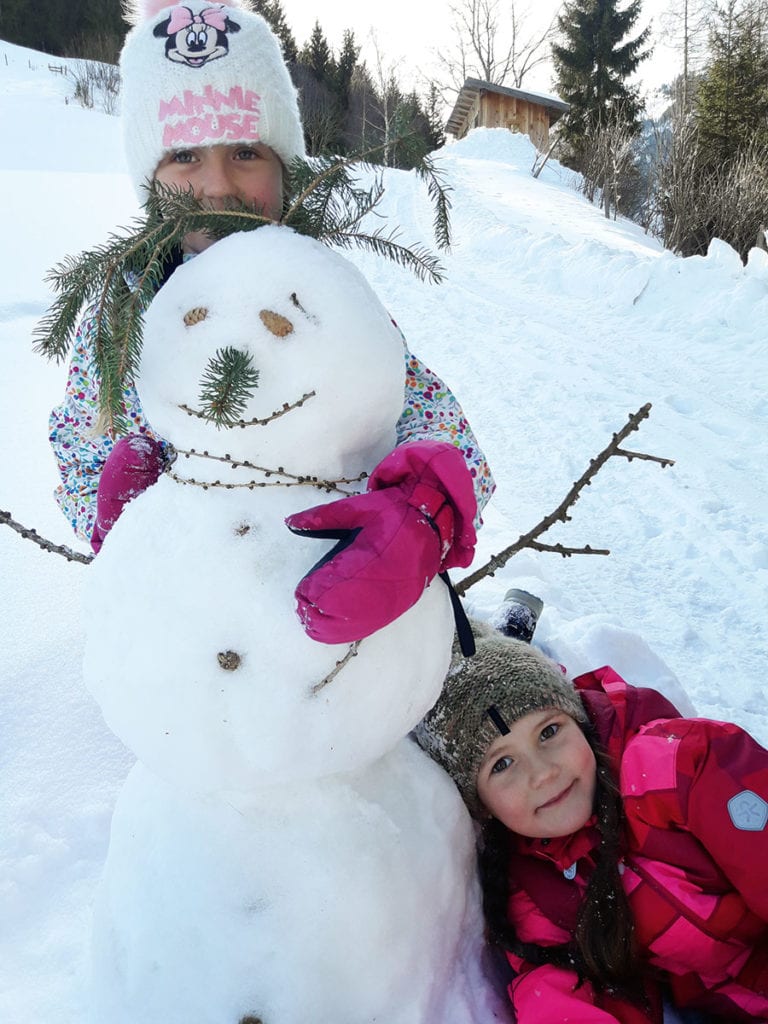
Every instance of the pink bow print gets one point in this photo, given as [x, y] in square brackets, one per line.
[182, 17]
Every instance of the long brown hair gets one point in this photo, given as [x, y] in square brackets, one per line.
[602, 949]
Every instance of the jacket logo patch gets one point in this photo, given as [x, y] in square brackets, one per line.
[748, 811]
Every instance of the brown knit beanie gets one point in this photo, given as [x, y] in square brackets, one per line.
[482, 696]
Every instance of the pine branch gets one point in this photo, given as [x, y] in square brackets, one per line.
[121, 276]
[560, 514]
[46, 545]
[227, 386]
[328, 168]
[419, 260]
[439, 195]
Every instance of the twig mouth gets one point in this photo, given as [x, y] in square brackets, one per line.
[256, 422]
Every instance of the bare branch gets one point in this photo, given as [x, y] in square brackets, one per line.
[351, 653]
[539, 164]
[46, 545]
[287, 407]
[560, 514]
[559, 549]
[491, 45]
[641, 455]
[284, 478]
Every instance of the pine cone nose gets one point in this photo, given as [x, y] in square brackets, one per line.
[276, 324]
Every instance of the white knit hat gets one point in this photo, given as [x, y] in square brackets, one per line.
[202, 74]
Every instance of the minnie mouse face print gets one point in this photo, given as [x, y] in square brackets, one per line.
[196, 39]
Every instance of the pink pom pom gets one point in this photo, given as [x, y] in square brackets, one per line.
[136, 11]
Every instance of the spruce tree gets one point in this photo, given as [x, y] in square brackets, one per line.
[732, 108]
[317, 55]
[435, 123]
[345, 67]
[593, 62]
[273, 13]
[315, 78]
[63, 29]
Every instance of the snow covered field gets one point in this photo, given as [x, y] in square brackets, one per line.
[552, 325]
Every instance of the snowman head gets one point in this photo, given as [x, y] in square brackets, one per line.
[324, 360]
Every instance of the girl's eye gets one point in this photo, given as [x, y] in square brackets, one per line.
[183, 156]
[550, 730]
[246, 153]
[501, 765]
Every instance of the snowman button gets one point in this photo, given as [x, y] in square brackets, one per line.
[229, 660]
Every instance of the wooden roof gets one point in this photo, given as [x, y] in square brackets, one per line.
[473, 87]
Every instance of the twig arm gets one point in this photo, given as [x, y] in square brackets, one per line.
[46, 545]
[560, 514]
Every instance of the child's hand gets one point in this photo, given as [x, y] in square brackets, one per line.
[415, 520]
[133, 465]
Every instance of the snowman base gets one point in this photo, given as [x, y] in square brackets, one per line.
[338, 903]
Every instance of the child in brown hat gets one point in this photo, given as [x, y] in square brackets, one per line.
[622, 846]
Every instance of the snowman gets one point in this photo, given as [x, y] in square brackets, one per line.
[281, 851]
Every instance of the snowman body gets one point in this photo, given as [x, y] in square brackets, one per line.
[281, 850]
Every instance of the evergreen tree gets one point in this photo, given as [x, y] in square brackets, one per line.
[273, 13]
[593, 62]
[64, 28]
[315, 78]
[435, 128]
[732, 108]
[317, 55]
[359, 132]
[345, 67]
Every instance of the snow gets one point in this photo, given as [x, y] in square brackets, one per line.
[553, 324]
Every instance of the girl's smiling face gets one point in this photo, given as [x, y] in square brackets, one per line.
[539, 779]
[251, 173]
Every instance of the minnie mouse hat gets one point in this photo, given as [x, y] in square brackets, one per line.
[203, 74]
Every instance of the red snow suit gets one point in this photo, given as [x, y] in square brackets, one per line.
[695, 866]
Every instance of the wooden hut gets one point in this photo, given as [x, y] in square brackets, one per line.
[484, 105]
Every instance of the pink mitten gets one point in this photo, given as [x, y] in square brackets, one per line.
[133, 465]
[414, 521]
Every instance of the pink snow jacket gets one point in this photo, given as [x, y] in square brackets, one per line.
[695, 866]
[430, 413]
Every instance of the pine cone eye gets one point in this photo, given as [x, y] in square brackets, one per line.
[194, 316]
[276, 324]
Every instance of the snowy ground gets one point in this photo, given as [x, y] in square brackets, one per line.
[553, 325]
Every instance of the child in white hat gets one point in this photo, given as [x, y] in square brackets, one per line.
[208, 103]
[623, 848]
